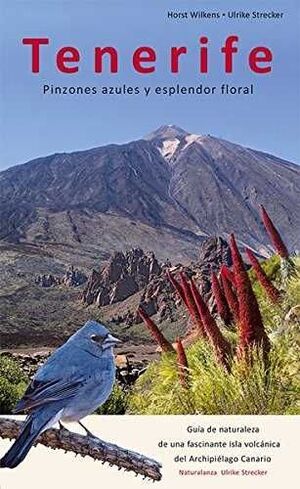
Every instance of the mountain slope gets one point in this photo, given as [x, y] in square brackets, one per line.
[231, 182]
[162, 193]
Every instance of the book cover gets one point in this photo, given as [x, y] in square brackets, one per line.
[149, 243]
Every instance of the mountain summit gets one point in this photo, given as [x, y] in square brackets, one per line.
[167, 132]
[163, 193]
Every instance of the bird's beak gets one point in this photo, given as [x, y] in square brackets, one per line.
[111, 340]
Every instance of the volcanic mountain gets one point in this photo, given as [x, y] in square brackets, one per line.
[163, 193]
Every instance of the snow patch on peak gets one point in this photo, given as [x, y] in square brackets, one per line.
[168, 148]
[192, 138]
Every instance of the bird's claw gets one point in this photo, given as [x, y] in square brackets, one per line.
[88, 432]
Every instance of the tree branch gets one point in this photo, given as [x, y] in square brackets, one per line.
[88, 446]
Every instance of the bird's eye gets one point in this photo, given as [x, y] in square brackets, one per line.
[97, 338]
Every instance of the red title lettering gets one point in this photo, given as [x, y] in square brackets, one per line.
[144, 59]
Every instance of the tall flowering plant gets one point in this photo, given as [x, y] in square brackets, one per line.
[219, 343]
[231, 297]
[184, 292]
[274, 234]
[155, 332]
[221, 302]
[272, 292]
[182, 364]
[251, 329]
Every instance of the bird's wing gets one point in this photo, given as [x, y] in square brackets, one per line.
[60, 378]
[41, 392]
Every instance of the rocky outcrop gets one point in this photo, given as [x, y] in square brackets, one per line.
[46, 280]
[124, 275]
[72, 278]
[213, 253]
[159, 297]
[135, 271]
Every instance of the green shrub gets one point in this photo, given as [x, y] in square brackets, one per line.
[213, 391]
[293, 286]
[272, 267]
[12, 384]
[116, 403]
[10, 370]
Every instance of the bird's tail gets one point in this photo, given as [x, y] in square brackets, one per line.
[22, 445]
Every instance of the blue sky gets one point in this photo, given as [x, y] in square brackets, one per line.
[32, 124]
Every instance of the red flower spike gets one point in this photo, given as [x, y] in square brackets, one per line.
[182, 364]
[186, 296]
[227, 273]
[274, 235]
[231, 298]
[220, 345]
[177, 287]
[272, 292]
[189, 299]
[155, 332]
[251, 328]
[221, 302]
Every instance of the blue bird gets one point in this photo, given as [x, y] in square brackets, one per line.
[75, 380]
